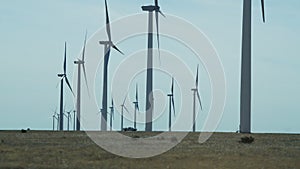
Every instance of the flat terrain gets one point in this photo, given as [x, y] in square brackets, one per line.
[38, 149]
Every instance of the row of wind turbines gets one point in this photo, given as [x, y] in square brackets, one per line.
[245, 97]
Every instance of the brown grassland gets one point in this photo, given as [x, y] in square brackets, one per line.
[45, 149]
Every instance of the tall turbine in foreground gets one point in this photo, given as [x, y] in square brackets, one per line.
[136, 105]
[245, 104]
[112, 113]
[122, 113]
[63, 77]
[196, 94]
[80, 63]
[149, 83]
[107, 45]
[171, 104]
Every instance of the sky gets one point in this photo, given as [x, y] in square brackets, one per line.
[33, 33]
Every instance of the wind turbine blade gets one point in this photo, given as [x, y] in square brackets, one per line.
[124, 100]
[156, 2]
[86, 82]
[126, 109]
[172, 87]
[199, 98]
[162, 13]
[263, 10]
[84, 46]
[107, 23]
[65, 59]
[158, 41]
[117, 49]
[173, 104]
[68, 83]
[136, 93]
[57, 84]
[137, 107]
[64, 108]
[197, 78]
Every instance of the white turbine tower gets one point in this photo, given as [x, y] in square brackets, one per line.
[136, 105]
[112, 113]
[149, 82]
[81, 64]
[171, 104]
[58, 120]
[196, 94]
[123, 107]
[245, 102]
[107, 46]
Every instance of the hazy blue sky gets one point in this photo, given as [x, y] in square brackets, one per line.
[33, 32]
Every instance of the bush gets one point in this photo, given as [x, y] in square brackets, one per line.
[247, 139]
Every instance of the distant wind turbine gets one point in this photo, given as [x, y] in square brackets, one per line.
[80, 63]
[58, 120]
[123, 107]
[136, 105]
[171, 104]
[63, 77]
[69, 118]
[74, 119]
[196, 94]
[245, 102]
[107, 46]
[149, 83]
[112, 113]
[54, 118]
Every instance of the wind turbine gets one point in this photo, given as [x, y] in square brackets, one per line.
[107, 46]
[196, 94]
[112, 113]
[54, 118]
[171, 104]
[63, 77]
[74, 118]
[122, 113]
[245, 102]
[69, 118]
[80, 63]
[58, 119]
[136, 105]
[149, 84]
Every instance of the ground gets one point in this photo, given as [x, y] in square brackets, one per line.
[45, 149]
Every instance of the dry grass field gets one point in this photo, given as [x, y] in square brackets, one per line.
[44, 149]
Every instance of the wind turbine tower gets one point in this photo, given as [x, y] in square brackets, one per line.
[80, 63]
[171, 104]
[136, 105]
[122, 113]
[196, 95]
[149, 83]
[107, 46]
[112, 113]
[245, 102]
